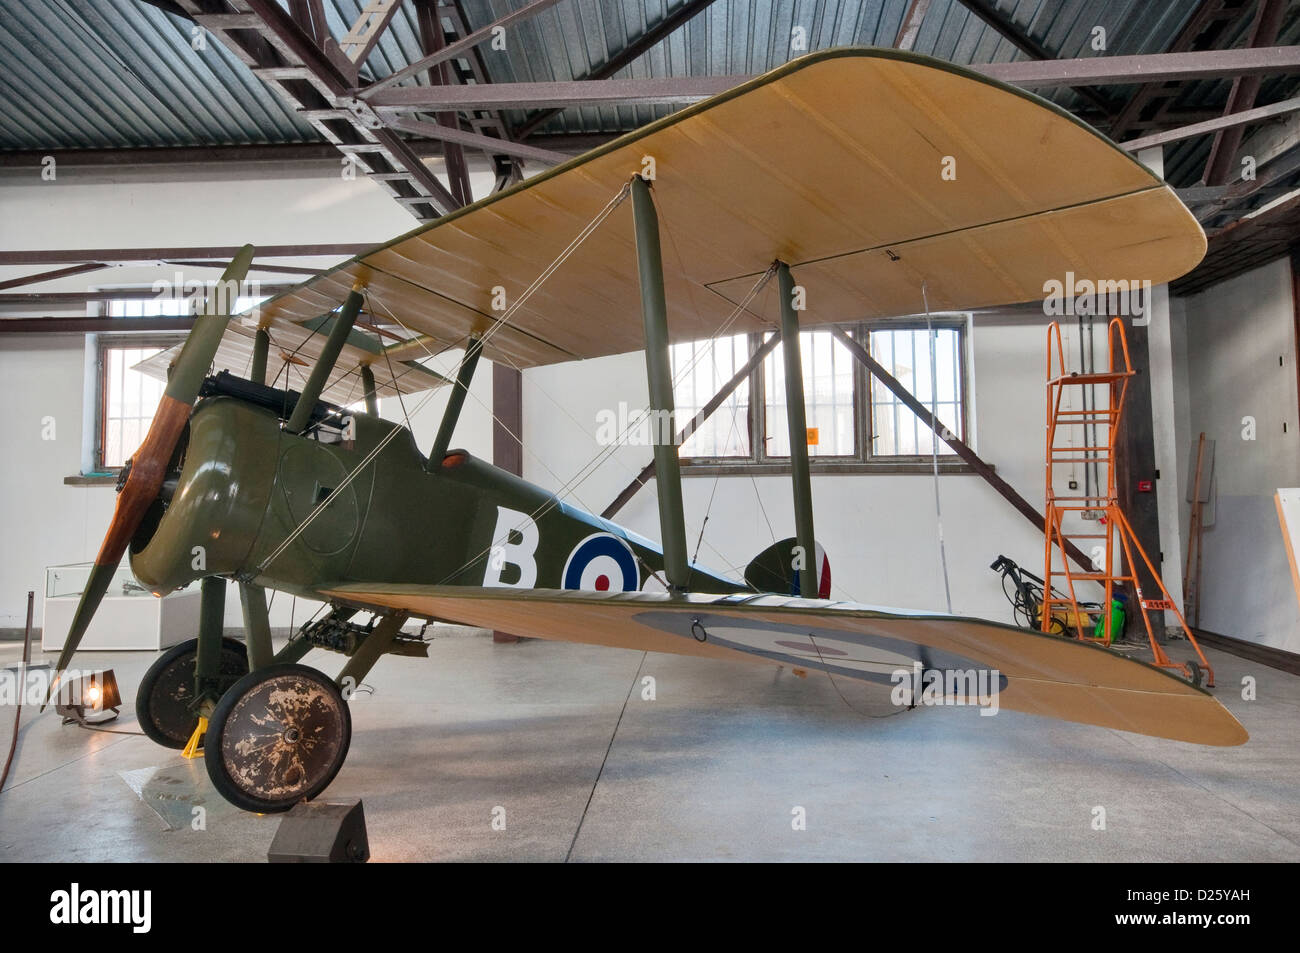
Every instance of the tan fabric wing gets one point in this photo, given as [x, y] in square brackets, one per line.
[834, 164]
[1046, 675]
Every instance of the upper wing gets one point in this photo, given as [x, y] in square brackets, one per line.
[297, 347]
[834, 164]
[1041, 674]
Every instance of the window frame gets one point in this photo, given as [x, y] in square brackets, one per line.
[117, 341]
[864, 459]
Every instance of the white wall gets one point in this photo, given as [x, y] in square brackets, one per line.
[1241, 352]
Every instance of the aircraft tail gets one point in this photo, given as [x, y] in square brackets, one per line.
[777, 569]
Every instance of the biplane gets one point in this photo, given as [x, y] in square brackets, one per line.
[825, 176]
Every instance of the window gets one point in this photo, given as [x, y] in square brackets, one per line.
[851, 418]
[905, 353]
[829, 373]
[700, 370]
[128, 398]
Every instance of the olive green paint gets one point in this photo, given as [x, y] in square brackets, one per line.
[659, 373]
[797, 424]
[261, 348]
[368, 387]
[455, 402]
[324, 365]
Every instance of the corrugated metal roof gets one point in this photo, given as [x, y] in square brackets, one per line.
[120, 73]
[575, 39]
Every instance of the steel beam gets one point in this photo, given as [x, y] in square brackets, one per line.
[911, 25]
[81, 298]
[1152, 68]
[797, 426]
[707, 411]
[255, 266]
[58, 256]
[507, 418]
[1021, 40]
[1004, 489]
[646, 41]
[681, 90]
[488, 144]
[324, 365]
[51, 324]
[657, 90]
[1203, 28]
[1212, 125]
[1263, 33]
[455, 402]
[432, 37]
[453, 50]
[52, 275]
[373, 20]
[659, 374]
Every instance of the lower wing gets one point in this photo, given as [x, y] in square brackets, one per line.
[1035, 673]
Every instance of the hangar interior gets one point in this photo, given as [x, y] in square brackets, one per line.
[144, 142]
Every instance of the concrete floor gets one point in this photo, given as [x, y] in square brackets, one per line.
[712, 769]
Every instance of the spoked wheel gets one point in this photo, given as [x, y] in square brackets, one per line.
[166, 693]
[277, 737]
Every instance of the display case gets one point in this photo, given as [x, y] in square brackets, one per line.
[129, 618]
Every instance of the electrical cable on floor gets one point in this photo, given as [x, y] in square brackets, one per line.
[107, 731]
[609, 747]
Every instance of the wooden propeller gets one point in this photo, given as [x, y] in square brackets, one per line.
[148, 466]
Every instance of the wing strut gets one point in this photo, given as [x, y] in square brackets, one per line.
[455, 401]
[368, 385]
[329, 355]
[659, 374]
[261, 347]
[797, 422]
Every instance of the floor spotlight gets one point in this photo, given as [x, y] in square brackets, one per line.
[89, 692]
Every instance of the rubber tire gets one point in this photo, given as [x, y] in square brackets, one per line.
[214, 745]
[144, 695]
[1197, 675]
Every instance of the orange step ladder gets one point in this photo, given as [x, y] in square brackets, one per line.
[1068, 433]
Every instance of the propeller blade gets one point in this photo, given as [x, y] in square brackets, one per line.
[148, 467]
[205, 337]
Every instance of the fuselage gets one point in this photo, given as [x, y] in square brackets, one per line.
[246, 485]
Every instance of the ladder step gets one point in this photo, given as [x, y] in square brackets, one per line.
[1108, 378]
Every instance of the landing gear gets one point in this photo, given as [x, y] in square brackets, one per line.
[164, 702]
[278, 736]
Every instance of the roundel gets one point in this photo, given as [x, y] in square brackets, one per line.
[603, 563]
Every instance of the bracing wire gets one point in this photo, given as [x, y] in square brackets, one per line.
[491, 331]
[934, 446]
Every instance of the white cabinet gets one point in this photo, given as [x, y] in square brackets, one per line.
[129, 618]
